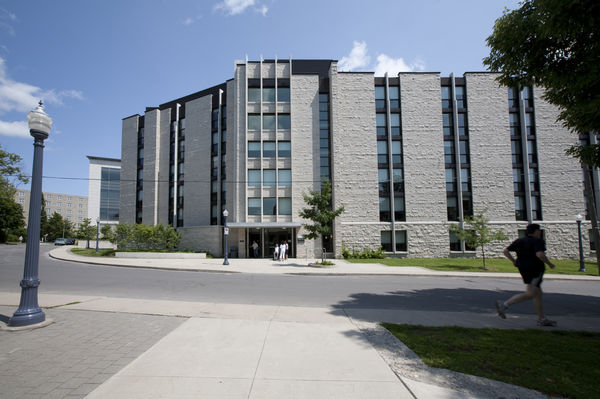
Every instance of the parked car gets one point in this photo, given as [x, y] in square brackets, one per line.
[71, 241]
[60, 241]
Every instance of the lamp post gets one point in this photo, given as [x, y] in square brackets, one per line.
[225, 234]
[29, 311]
[97, 232]
[579, 218]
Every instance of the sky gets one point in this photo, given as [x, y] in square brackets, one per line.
[95, 62]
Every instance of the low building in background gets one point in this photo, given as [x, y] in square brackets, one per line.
[73, 208]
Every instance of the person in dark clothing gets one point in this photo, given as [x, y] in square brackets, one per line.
[531, 260]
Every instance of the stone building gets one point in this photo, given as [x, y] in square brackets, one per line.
[407, 156]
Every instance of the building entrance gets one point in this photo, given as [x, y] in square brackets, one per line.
[276, 237]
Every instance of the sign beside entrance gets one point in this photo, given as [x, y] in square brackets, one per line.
[226, 230]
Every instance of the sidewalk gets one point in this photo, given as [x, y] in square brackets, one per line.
[297, 266]
[214, 350]
[104, 347]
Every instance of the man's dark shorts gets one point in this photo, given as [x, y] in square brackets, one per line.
[532, 276]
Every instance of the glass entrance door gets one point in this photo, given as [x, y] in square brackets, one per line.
[277, 236]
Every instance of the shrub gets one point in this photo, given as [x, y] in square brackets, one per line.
[366, 253]
[141, 236]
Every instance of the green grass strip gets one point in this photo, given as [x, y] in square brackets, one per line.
[558, 363]
[92, 252]
[563, 266]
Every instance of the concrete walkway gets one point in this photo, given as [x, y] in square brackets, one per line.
[291, 266]
[253, 351]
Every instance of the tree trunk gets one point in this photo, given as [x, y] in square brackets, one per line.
[591, 203]
[483, 255]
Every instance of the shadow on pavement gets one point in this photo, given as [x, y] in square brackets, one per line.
[470, 300]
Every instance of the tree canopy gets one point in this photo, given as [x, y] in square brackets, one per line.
[554, 44]
[319, 211]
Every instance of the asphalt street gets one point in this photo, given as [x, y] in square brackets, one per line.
[577, 298]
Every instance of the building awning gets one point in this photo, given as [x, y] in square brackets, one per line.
[264, 225]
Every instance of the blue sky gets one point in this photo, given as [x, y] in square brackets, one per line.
[95, 62]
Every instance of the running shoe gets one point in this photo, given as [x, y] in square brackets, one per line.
[501, 309]
[546, 323]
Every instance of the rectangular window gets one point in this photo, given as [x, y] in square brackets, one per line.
[450, 180]
[253, 206]
[381, 124]
[395, 124]
[460, 97]
[394, 97]
[513, 98]
[384, 181]
[379, 97]
[284, 149]
[285, 206]
[269, 206]
[447, 124]
[398, 179]
[454, 242]
[268, 149]
[396, 152]
[269, 177]
[269, 121]
[401, 240]
[253, 121]
[285, 177]
[283, 122]
[399, 211]
[449, 152]
[254, 178]
[382, 152]
[283, 94]
[254, 149]
[384, 209]
[520, 209]
[253, 94]
[446, 101]
[386, 241]
[268, 94]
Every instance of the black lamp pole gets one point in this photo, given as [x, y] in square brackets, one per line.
[29, 311]
[579, 218]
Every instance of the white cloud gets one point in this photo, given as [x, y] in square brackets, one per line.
[14, 129]
[23, 97]
[357, 59]
[6, 20]
[393, 66]
[233, 7]
[188, 21]
[263, 10]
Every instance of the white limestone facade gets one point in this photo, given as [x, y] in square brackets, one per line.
[257, 143]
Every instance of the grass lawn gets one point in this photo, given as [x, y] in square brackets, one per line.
[92, 252]
[563, 266]
[563, 363]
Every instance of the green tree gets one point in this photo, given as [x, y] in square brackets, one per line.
[59, 227]
[107, 232]
[11, 218]
[319, 211]
[554, 44]
[476, 233]
[11, 213]
[86, 231]
[43, 219]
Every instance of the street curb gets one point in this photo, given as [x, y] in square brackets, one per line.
[433, 273]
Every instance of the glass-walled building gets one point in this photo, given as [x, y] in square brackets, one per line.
[104, 190]
[407, 155]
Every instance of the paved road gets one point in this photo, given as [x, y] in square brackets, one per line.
[576, 298]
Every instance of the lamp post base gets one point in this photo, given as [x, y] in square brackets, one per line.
[27, 317]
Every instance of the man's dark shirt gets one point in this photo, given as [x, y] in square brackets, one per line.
[526, 249]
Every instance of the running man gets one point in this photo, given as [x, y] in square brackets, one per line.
[531, 257]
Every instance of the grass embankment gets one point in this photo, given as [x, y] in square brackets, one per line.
[563, 266]
[92, 252]
[562, 363]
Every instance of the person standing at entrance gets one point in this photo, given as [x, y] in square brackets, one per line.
[282, 251]
[287, 248]
[276, 251]
[531, 260]
[255, 248]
